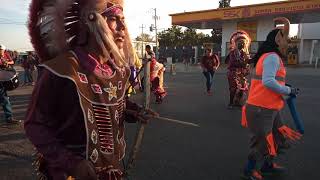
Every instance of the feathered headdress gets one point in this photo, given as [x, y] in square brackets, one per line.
[56, 26]
[240, 35]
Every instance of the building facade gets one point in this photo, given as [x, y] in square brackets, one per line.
[257, 20]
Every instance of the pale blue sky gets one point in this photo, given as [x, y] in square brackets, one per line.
[14, 13]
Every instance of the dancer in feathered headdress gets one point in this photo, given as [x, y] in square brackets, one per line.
[238, 67]
[77, 113]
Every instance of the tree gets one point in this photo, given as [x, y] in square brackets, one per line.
[216, 35]
[171, 37]
[175, 37]
[224, 3]
[144, 37]
[190, 37]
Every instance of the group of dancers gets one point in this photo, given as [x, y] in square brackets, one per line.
[238, 61]
[262, 100]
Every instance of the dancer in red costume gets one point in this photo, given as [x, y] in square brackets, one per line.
[238, 68]
[156, 76]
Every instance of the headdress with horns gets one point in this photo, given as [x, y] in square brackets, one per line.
[56, 26]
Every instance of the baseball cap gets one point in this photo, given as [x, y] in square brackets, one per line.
[2, 47]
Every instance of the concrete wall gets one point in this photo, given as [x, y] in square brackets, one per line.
[309, 31]
[227, 29]
[306, 52]
[265, 25]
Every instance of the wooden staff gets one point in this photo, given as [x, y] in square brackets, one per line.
[177, 121]
[139, 136]
[164, 119]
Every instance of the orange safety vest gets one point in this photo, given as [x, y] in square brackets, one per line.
[261, 96]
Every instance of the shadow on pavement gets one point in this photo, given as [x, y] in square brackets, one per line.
[14, 155]
[12, 137]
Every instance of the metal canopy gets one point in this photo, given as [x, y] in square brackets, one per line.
[298, 11]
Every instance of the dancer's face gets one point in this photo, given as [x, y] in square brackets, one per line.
[1, 52]
[240, 44]
[115, 21]
[208, 52]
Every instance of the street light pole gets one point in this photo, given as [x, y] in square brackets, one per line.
[142, 41]
[156, 30]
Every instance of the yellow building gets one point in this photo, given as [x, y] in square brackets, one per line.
[256, 19]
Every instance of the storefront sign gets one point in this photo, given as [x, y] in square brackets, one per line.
[250, 11]
[250, 28]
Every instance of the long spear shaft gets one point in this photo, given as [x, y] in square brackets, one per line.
[166, 119]
[140, 131]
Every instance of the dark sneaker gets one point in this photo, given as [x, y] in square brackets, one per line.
[13, 121]
[273, 169]
[254, 175]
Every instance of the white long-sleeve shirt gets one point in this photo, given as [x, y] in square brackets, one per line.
[270, 67]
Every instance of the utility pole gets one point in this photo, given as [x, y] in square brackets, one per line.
[156, 30]
[142, 41]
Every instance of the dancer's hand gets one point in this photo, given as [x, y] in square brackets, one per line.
[146, 115]
[151, 112]
[294, 91]
[4, 64]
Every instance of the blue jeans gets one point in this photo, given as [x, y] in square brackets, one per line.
[209, 76]
[6, 105]
[28, 76]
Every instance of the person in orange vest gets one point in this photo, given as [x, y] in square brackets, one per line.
[261, 114]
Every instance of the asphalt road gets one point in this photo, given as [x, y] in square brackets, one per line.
[216, 150]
